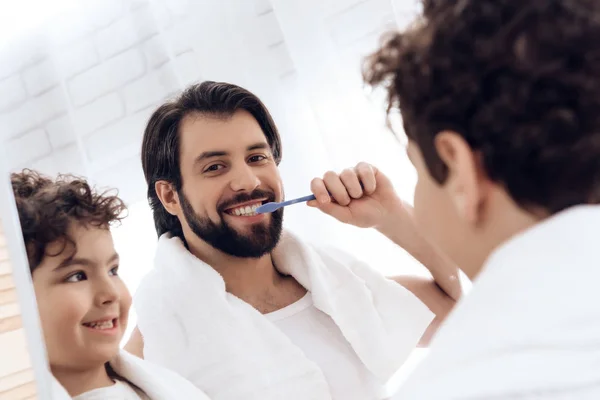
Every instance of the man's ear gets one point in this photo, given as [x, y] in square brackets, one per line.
[168, 197]
[466, 180]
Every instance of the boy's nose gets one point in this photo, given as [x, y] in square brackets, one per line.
[107, 294]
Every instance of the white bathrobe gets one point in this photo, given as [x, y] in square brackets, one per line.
[224, 346]
[530, 327]
[155, 381]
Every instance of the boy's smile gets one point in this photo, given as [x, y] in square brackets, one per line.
[82, 301]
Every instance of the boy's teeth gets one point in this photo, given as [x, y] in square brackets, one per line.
[101, 325]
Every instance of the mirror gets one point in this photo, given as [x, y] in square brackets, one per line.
[23, 372]
[80, 79]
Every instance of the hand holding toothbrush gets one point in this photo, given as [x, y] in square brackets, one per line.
[361, 196]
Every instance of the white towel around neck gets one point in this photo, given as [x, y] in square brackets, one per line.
[530, 326]
[156, 382]
[227, 348]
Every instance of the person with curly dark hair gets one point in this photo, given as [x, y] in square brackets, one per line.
[82, 302]
[500, 100]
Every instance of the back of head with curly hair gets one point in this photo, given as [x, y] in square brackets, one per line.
[48, 208]
[518, 80]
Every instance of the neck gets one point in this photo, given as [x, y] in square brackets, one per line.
[77, 381]
[254, 280]
[504, 220]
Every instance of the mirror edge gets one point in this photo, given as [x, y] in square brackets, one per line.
[11, 228]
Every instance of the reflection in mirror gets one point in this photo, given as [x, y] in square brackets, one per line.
[81, 80]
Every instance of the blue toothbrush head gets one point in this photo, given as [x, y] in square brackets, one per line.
[267, 208]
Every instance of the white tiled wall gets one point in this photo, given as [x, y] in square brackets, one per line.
[75, 96]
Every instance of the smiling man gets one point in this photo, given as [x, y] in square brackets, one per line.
[245, 310]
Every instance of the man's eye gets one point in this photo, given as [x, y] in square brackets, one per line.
[213, 168]
[257, 158]
[77, 277]
[114, 271]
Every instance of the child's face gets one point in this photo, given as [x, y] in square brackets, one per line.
[83, 303]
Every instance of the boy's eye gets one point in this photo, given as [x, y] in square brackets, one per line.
[77, 277]
[114, 271]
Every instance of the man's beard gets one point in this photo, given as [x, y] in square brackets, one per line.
[261, 240]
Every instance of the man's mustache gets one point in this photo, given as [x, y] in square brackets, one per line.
[256, 194]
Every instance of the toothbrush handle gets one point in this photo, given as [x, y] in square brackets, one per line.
[299, 200]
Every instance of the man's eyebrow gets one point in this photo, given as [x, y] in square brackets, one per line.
[257, 146]
[220, 153]
[210, 154]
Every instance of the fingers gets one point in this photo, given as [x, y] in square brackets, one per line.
[366, 174]
[317, 187]
[336, 188]
[350, 180]
[351, 183]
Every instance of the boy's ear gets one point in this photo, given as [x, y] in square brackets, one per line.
[466, 184]
[168, 197]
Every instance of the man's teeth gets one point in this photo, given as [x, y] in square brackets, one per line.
[245, 210]
[101, 325]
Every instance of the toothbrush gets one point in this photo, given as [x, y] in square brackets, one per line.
[273, 206]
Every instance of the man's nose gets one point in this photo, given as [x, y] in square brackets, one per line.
[244, 180]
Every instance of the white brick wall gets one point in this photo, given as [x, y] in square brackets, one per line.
[106, 77]
[61, 132]
[262, 7]
[155, 51]
[29, 146]
[102, 13]
[120, 140]
[67, 159]
[32, 113]
[128, 177]
[359, 20]
[104, 66]
[98, 113]
[268, 29]
[150, 89]
[188, 67]
[180, 37]
[40, 77]
[12, 92]
[126, 32]
[16, 56]
[76, 57]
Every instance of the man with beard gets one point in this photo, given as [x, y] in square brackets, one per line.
[246, 311]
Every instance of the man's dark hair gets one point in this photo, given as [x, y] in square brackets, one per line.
[518, 80]
[49, 207]
[160, 146]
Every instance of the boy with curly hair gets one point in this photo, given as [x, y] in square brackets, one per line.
[500, 100]
[82, 302]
